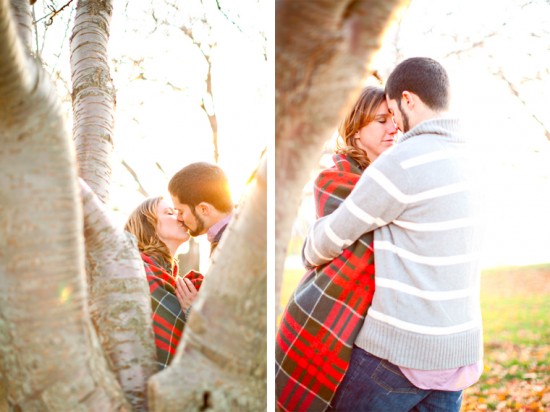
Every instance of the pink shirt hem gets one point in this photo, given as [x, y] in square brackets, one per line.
[455, 379]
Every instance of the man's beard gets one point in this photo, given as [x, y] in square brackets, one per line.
[404, 118]
[199, 230]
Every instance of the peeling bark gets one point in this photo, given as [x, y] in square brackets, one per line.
[93, 94]
[120, 302]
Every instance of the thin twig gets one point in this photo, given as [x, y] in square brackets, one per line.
[227, 17]
[53, 14]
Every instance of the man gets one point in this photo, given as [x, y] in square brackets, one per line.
[421, 342]
[201, 196]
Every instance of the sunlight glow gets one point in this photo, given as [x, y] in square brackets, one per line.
[65, 294]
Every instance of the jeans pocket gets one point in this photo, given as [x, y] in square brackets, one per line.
[389, 376]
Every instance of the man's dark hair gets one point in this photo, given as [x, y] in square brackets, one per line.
[424, 77]
[202, 182]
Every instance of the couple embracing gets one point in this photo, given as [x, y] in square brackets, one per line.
[387, 318]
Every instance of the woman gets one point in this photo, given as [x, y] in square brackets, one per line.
[159, 235]
[325, 313]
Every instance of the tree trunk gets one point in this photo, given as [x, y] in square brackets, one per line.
[47, 343]
[322, 51]
[207, 103]
[191, 260]
[22, 14]
[220, 364]
[120, 302]
[93, 94]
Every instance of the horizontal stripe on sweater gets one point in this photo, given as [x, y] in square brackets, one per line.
[406, 199]
[427, 260]
[427, 158]
[424, 294]
[423, 329]
[436, 226]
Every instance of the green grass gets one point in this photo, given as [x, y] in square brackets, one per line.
[521, 320]
[515, 303]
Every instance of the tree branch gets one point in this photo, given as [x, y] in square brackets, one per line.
[53, 14]
[118, 292]
[516, 93]
[141, 189]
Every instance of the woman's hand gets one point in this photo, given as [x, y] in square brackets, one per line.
[185, 292]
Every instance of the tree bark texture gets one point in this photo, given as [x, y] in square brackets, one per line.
[322, 52]
[93, 94]
[120, 302]
[50, 357]
[22, 14]
[220, 364]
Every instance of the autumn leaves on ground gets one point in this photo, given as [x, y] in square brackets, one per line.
[516, 304]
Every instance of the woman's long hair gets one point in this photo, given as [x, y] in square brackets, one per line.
[362, 113]
[142, 223]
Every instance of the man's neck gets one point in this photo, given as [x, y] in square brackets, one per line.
[221, 220]
[426, 114]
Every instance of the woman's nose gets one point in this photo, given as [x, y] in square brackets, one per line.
[392, 127]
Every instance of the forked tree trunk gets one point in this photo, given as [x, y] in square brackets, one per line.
[93, 94]
[322, 52]
[47, 343]
[220, 364]
[120, 303]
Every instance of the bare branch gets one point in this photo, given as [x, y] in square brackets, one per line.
[516, 93]
[141, 189]
[229, 19]
[52, 14]
[159, 167]
[474, 45]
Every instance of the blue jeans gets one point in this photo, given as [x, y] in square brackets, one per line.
[374, 384]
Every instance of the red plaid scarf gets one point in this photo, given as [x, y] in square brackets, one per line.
[325, 313]
[168, 318]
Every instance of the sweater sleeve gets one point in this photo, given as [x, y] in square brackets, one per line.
[375, 201]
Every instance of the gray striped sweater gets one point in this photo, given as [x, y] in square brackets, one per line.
[421, 200]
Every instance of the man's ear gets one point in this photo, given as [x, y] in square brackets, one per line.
[204, 209]
[408, 99]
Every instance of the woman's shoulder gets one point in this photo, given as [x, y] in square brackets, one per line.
[155, 263]
[157, 273]
[342, 163]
